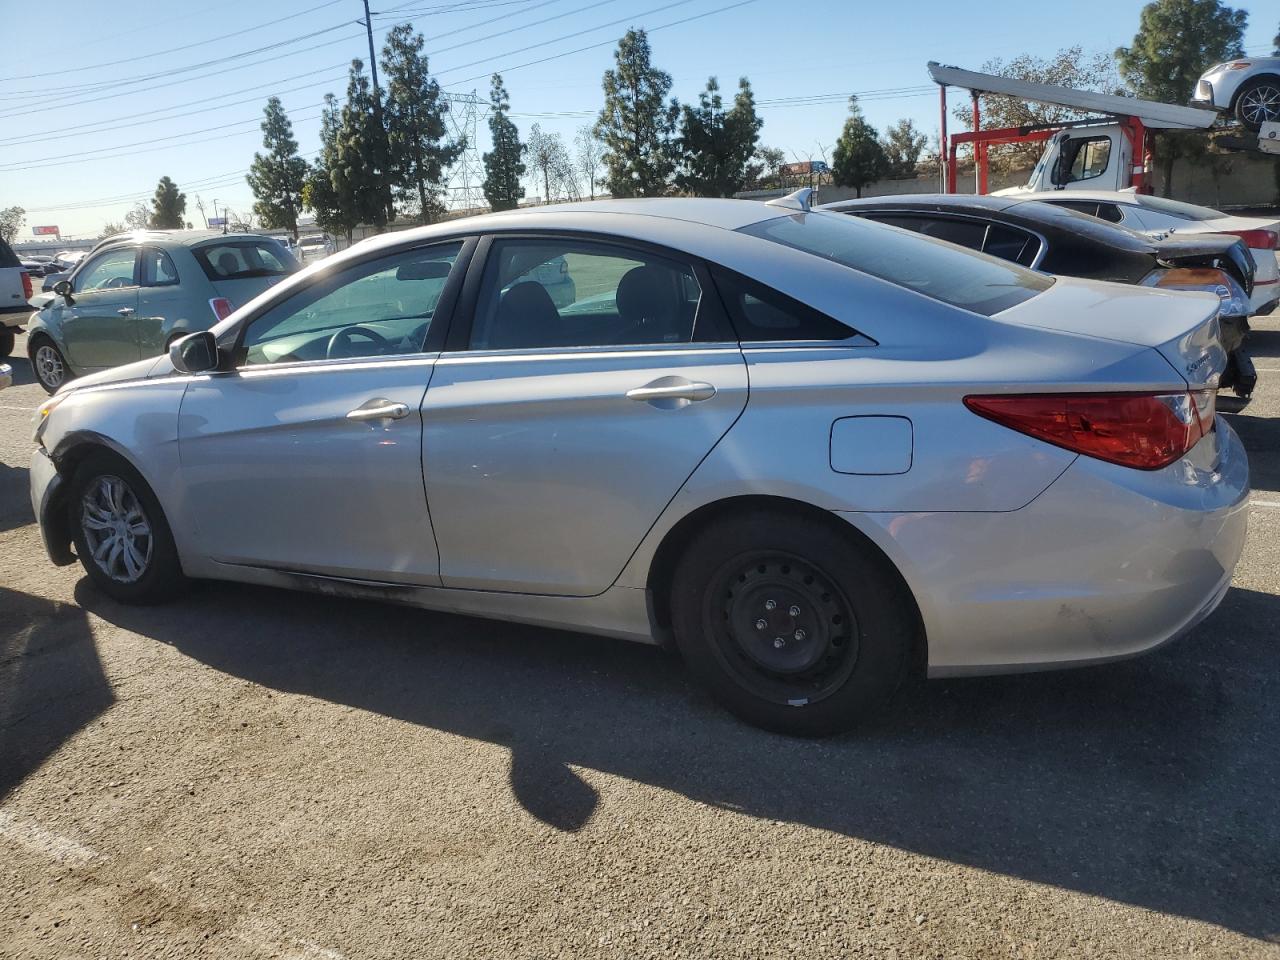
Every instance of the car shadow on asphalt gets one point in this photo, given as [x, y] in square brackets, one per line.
[1150, 782]
[1263, 343]
[1261, 437]
[51, 682]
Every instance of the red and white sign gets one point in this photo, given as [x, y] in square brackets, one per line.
[46, 231]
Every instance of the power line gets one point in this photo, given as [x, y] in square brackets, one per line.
[160, 53]
[603, 43]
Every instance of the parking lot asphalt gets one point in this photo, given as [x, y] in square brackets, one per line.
[256, 773]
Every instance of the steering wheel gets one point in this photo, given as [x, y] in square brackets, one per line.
[341, 340]
[116, 282]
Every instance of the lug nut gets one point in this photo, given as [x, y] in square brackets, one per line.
[779, 643]
[799, 634]
[769, 605]
[760, 624]
[794, 611]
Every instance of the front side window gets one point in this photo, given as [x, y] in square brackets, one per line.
[569, 293]
[1086, 159]
[110, 271]
[378, 308]
[959, 277]
[157, 269]
[242, 259]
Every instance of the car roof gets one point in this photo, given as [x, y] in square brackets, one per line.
[1018, 211]
[185, 238]
[1110, 196]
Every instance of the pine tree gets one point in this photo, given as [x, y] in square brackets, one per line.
[503, 166]
[358, 171]
[902, 146]
[636, 123]
[168, 206]
[717, 145]
[417, 151]
[334, 212]
[858, 158]
[1177, 40]
[277, 177]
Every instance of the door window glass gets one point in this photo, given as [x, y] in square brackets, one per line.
[1089, 157]
[567, 293]
[1009, 243]
[157, 269]
[378, 308]
[109, 271]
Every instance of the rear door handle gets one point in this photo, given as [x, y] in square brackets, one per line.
[125, 311]
[380, 408]
[672, 389]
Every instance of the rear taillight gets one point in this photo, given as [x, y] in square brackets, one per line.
[1256, 239]
[27, 289]
[1146, 431]
[1233, 298]
[221, 307]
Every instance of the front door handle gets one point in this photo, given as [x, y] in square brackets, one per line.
[125, 311]
[672, 392]
[380, 408]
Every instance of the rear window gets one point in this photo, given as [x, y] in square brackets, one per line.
[241, 259]
[1176, 208]
[7, 257]
[960, 277]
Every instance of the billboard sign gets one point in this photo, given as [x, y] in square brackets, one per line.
[46, 231]
[804, 168]
[217, 221]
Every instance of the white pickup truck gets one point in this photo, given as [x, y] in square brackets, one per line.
[15, 291]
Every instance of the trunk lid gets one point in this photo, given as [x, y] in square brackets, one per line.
[1182, 327]
[1206, 249]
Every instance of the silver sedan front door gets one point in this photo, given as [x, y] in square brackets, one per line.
[591, 382]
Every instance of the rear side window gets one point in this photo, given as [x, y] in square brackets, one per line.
[241, 259]
[7, 257]
[157, 269]
[761, 313]
[962, 278]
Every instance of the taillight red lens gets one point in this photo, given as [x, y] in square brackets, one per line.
[26, 286]
[221, 307]
[1256, 239]
[1146, 431]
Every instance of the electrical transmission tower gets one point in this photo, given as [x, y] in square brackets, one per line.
[465, 185]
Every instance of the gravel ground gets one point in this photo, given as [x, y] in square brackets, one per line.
[251, 773]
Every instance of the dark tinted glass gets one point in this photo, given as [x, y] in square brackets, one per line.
[7, 257]
[238, 259]
[962, 278]
[758, 312]
[1008, 243]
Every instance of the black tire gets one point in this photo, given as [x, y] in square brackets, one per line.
[846, 622]
[51, 370]
[160, 577]
[7, 340]
[1257, 102]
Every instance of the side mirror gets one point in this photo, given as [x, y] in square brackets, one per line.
[195, 353]
[63, 289]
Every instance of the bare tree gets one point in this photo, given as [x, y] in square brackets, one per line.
[549, 162]
[589, 157]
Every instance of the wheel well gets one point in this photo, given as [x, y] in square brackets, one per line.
[677, 539]
[1262, 76]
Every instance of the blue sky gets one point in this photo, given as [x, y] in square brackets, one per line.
[80, 144]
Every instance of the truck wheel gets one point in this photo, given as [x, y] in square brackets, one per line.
[7, 339]
[1258, 102]
[793, 625]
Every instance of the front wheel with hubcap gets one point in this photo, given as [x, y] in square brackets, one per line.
[1258, 102]
[120, 532]
[794, 625]
[48, 365]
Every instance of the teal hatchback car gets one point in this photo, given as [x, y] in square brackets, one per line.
[135, 293]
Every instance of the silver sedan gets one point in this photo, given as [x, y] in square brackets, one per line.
[813, 452]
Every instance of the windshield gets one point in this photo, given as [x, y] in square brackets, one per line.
[241, 259]
[1176, 208]
[935, 268]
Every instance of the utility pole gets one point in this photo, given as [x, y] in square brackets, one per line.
[377, 107]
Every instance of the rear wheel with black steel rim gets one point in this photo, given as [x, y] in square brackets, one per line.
[1258, 102]
[794, 625]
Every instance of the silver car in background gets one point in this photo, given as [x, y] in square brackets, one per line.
[315, 247]
[812, 451]
[1247, 88]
